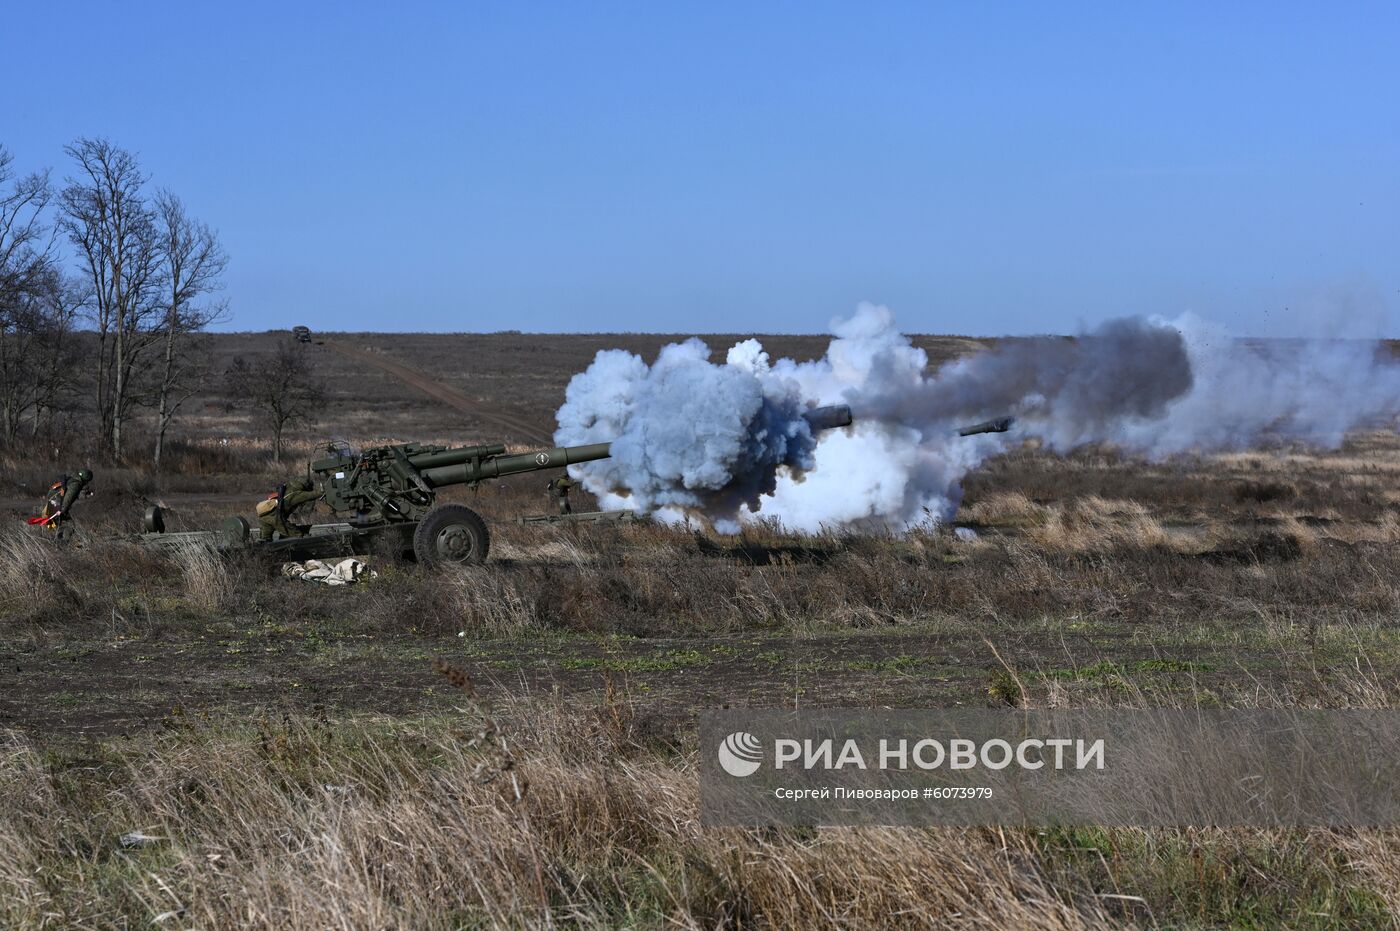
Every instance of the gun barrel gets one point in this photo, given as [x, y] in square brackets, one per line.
[828, 418]
[512, 465]
[457, 456]
[476, 463]
[1000, 425]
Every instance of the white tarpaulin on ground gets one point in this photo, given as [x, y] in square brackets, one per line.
[345, 572]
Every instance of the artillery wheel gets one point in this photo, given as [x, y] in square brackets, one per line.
[451, 533]
[154, 519]
[236, 530]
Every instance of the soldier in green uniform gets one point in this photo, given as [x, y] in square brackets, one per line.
[560, 488]
[274, 514]
[63, 501]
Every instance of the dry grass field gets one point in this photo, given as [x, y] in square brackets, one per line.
[513, 745]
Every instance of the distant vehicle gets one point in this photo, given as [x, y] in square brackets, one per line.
[301, 334]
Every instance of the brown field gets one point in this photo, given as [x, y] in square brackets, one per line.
[302, 764]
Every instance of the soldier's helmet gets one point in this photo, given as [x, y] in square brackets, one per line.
[84, 475]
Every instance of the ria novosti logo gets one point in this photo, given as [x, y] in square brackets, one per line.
[740, 754]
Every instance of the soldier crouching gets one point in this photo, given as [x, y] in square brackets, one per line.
[275, 514]
[62, 501]
[559, 488]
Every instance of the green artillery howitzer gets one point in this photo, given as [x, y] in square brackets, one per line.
[386, 498]
[391, 491]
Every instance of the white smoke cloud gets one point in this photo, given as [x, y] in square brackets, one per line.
[727, 442]
[686, 433]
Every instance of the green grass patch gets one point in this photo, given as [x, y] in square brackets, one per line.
[1251, 880]
[671, 659]
[904, 664]
[1106, 669]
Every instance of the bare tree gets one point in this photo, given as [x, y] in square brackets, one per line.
[39, 356]
[37, 306]
[26, 242]
[282, 387]
[107, 218]
[193, 263]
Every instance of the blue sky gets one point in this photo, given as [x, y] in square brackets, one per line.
[981, 168]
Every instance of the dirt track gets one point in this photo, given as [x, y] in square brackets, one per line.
[107, 686]
[438, 391]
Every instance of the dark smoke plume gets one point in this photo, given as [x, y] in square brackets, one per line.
[726, 441]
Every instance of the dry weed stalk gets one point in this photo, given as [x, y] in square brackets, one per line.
[30, 566]
[208, 578]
